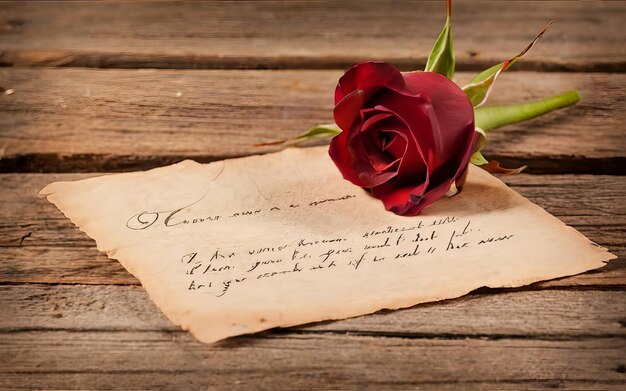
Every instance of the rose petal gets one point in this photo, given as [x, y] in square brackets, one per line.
[371, 163]
[347, 111]
[397, 144]
[408, 140]
[443, 151]
[380, 129]
[411, 166]
[439, 190]
[358, 156]
[410, 201]
[416, 129]
[400, 200]
[450, 106]
[366, 76]
[378, 159]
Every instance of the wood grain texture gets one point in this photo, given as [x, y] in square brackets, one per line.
[198, 381]
[308, 34]
[39, 245]
[301, 361]
[204, 380]
[73, 319]
[547, 314]
[121, 120]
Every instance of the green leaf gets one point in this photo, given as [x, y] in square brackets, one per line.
[489, 118]
[484, 75]
[318, 132]
[492, 117]
[482, 139]
[441, 58]
[480, 86]
[478, 159]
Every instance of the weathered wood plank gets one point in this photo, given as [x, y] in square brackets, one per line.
[173, 381]
[86, 265]
[305, 34]
[38, 244]
[548, 314]
[119, 120]
[299, 361]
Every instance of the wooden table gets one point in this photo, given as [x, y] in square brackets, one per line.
[128, 86]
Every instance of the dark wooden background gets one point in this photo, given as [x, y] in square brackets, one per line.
[119, 86]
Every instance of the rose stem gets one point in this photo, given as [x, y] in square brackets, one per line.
[492, 117]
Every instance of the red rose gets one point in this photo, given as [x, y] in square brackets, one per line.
[406, 137]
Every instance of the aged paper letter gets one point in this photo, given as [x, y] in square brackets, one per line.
[244, 245]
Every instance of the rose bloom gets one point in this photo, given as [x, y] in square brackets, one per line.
[406, 137]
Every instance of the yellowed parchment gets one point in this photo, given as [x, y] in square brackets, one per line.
[244, 245]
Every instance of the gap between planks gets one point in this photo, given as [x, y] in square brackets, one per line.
[310, 35]
[87, 163]
[113, 60]
[87, 120]
[349, 361]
